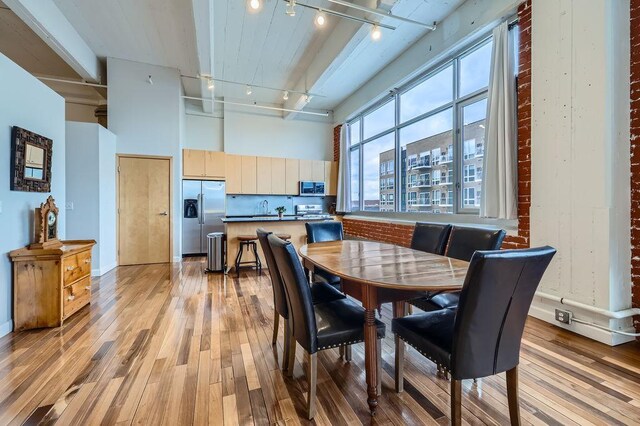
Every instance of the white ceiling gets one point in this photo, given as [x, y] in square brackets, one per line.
[267, 48]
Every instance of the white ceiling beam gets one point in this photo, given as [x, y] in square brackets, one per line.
[48, 22]
[344, 40]
[203, 20]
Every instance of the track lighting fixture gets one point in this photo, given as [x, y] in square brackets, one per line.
[249, 90]
[149, 80]
[291, 8]
[254, 4]
[321, 19]
[210, 84]
[307, 98]
[285, 95]
[376, 34]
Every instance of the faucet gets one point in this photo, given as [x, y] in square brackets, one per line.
[264, 205]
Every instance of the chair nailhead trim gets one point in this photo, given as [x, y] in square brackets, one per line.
[341, 344]
[441, 367]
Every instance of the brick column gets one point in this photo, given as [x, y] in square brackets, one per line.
[635, 156]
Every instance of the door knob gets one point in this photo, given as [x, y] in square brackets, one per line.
[164, 214]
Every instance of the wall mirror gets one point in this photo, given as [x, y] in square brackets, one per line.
[31, 160]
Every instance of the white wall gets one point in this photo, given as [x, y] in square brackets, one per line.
[580, 156]
[146, 118]
[204, 133]
[91, 190]
[251, 132]
[27, 103]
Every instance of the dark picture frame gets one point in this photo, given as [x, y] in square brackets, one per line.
[23, 177]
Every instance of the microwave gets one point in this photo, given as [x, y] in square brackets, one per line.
[311, 189]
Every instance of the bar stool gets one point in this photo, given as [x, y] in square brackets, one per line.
[248, 241]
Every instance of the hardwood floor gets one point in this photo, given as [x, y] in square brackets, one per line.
[166, 344]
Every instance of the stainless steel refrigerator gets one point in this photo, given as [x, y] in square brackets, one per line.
[203, 207]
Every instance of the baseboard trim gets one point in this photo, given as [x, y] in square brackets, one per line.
[6, 328]
[177, 259]
[545, 314]
[101, 271]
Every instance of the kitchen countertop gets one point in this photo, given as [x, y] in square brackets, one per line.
[244, 219]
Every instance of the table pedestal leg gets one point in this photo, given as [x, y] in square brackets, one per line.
[371, 359]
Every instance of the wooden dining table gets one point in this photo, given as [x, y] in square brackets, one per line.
[375, 273]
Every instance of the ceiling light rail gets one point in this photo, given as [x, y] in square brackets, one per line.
[384, 13]
[342, 15]
[253, 86]
[255, 105]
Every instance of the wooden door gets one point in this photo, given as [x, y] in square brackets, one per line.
[215, 165]
[144, 210]
[279, 176]
[234, 174]
[292, 176]
[193, 163]
[317, 171]
[249, 169]
[263, 175]
[306, 170]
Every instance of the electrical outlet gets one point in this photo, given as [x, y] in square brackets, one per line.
[69, 205]
[564, 316]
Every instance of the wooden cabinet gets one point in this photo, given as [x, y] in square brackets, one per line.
[292, 176]
[234, 174]
[193, 163]
[331, 177]
[317, 171]
[249, 169]
[50, 285]
[279, 176]
[263, 175]
[215, 165]
[306, 170]
[203, 164]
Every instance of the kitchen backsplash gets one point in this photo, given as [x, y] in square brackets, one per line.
[251, 205]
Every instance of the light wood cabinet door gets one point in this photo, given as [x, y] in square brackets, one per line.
[193, 163]
[249, 169]
[263, 175]
[234, 174]
[317, 171]
[306, 170]
[292, 176]
[331, 176]
[279, 176]
[215, 165]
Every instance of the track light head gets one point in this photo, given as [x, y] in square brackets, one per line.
[376, 33]
[285, 95]
[254, 4]
[307, 98]
[249, 90]
[321, 19]
[210, 84]
[291, 8]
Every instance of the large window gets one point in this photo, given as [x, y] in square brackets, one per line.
[433, 130]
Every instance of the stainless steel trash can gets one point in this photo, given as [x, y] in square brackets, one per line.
[215, 252]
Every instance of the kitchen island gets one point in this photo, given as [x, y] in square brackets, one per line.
[247, 225]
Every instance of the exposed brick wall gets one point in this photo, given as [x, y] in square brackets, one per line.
[336, 143]
[635, 156]
[401, 234]
[524, 130]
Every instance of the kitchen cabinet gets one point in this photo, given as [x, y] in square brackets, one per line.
[214, 164]
[193, 163]
[263, 175]
[306, 170]
[234, 174]
[292, 176]
[279, 176]
[317, 171]
[248, 175]
[203, 164]
[331, 177]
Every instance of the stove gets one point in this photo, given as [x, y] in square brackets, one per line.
[310, 211]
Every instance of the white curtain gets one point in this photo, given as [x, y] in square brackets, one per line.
[343, 204]
[500, 185]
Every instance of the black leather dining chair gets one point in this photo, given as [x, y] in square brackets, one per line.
[482, 337]
[316, 327]
[462, 243]
[317, 232]
[320, 292]
[430, 237]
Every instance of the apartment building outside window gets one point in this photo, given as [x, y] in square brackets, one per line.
[433, 128]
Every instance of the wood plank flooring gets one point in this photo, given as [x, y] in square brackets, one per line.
[167, 344]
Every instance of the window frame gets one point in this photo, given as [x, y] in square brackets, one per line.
[455, 105]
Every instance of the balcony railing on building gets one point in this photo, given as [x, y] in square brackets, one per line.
[420, 163]
[420, 183]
